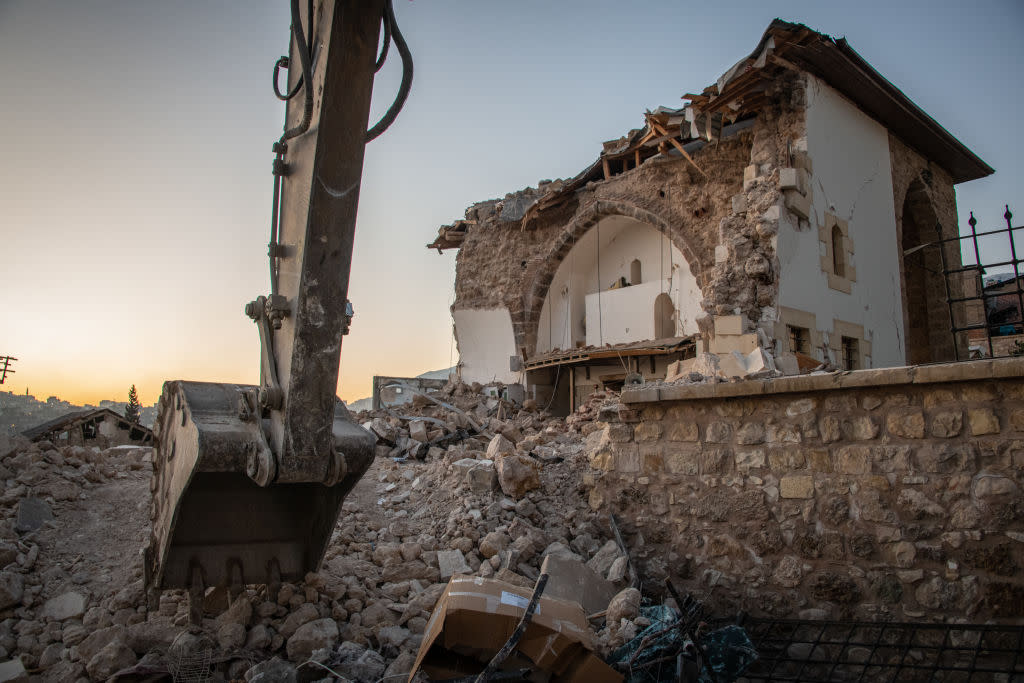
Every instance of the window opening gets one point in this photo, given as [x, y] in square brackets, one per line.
[635, 272]
[851, 353]
[838, 263]
[798, 339]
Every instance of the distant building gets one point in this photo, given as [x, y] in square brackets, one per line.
[99, 427]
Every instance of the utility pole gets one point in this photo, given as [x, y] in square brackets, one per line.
[5, 367]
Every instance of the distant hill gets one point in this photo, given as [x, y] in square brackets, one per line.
[19, 412]
[367, 403]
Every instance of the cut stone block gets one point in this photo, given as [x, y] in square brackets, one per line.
[729, 324]
[744, 344]
[798, 204]
[793, 179]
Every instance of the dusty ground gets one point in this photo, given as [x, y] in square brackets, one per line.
[72, 605]
[97, 539]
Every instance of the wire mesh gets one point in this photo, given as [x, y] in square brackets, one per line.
[791, 650]
[189, 665]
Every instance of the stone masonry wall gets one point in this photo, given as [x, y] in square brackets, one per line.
[723, 218]
[875, 494]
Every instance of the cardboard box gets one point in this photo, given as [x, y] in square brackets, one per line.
[474, 617]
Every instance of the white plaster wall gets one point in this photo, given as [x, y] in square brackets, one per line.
[624, 315]
[486, 342]
[852, 179]
[600, 257]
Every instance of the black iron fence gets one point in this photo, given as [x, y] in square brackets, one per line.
[986, 296]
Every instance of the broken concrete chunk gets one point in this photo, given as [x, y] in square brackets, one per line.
[517, 474]
[112, 658]
[499, 445]
[493, 543]
[303, 615]
[32, 514]
[275, 670]
[617, 573]
[240, 612]
[570, 579]
[312, 636]
[12, 588]
[625, 605]
[759, 362]
[559, 550]
[13, 671]
[230, 636]
[452, 562]
[418, 431]
[706, 364]
[603, 559]
[514, 207]
[66, 606]
[732, 364]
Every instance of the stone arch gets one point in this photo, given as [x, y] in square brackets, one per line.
[587, 217]
[926, 320]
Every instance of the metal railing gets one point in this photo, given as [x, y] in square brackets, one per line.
[797, 650]
[954, 280]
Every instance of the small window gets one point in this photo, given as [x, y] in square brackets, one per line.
[798, 339]
[851, 353]
[635, 272]
[838, 252]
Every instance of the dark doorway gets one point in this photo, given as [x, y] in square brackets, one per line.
[929, 338]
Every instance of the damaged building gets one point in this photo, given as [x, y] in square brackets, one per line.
[784, 217]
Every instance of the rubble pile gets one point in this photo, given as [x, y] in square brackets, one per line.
[465, 482]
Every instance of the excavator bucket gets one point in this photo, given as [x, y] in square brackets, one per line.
[212, 525]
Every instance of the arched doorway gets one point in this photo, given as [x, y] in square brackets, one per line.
[664, 317]
[927, 325]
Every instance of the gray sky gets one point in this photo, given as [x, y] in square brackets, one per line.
[135, 206]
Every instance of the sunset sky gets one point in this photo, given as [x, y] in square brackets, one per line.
[135, 187]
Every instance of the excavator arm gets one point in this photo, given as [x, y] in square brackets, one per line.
[248, 481]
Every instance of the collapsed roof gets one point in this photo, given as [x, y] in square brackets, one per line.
[738, 95]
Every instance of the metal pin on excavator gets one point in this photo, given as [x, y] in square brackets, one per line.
[248, 481]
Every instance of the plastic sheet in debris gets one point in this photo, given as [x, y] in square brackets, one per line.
[727, 651]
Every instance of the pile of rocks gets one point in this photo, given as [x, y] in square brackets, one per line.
[502, 495]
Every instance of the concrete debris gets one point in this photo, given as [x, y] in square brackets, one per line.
[32, 514]
[13, 671]
[496, 500]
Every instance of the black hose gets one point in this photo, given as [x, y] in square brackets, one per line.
[403, 90]
[302, 48]
[385, 45]
[283, 62]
